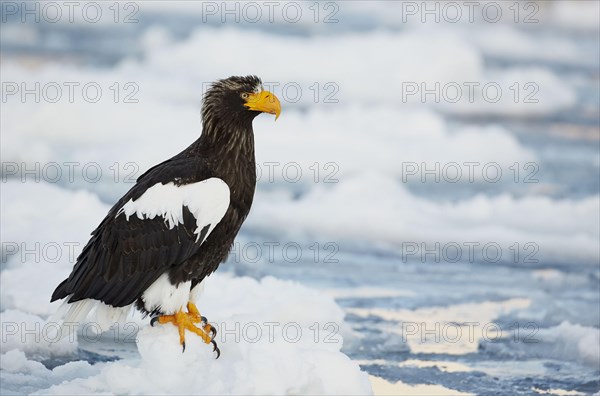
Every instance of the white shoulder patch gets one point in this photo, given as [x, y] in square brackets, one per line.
[207, 200]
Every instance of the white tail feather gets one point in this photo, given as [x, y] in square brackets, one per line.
[70, 316]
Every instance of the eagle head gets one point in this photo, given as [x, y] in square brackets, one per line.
[239, 97]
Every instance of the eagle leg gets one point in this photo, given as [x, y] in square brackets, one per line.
[185, 321]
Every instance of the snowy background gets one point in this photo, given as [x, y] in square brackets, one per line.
[427, 214]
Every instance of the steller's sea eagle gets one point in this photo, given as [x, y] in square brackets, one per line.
[176, 224]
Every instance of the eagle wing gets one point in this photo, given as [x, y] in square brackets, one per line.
[160, 223]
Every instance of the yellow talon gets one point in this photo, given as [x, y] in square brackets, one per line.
[193, 311]
[185, 321]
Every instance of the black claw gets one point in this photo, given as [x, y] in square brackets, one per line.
[212, 332]
[183, 345]
[153, 321]
[203, 320]
[216, 349]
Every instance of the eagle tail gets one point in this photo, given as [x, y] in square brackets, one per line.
[71, 315]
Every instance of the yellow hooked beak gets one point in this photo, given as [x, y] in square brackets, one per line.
[264, 101]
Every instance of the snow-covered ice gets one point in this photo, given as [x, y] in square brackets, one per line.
[280, 338]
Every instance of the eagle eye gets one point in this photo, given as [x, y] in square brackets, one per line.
[244, 95]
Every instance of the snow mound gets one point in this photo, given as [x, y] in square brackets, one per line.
[264, 367]
[565, 342]
[20, 375]
[276, 337]
[573, 342]
[30, 334]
